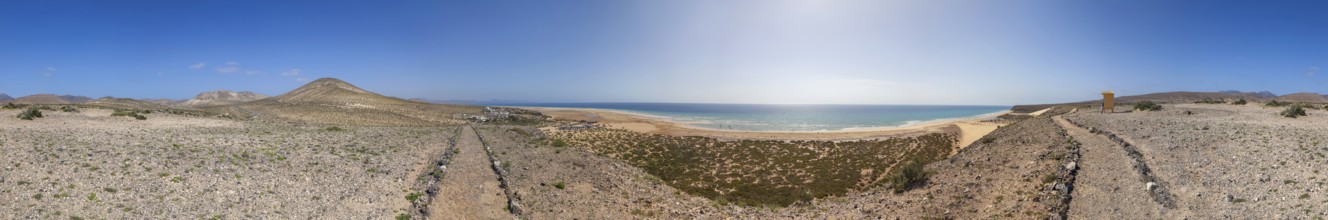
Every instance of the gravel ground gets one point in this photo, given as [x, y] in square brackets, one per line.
[1226, 161]
[91, 165]
[1107, 176]
[470, 188]
[999, 178]
[1208, 161]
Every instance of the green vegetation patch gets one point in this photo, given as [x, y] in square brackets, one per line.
[136, 114]
[1147, 106]
[414, 196]
[30, 114]
[1294, 111]
[908, 176]
[767, 172]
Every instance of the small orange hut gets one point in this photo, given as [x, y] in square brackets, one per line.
[1108, 101]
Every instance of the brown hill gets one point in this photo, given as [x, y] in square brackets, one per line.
[165, 102]
[223, 97]
[76, 99]
[332, 101]
[1304, 97]
[44, 99]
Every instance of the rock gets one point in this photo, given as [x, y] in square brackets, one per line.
[1071, 165]
[1230, 198]
[1151, 186]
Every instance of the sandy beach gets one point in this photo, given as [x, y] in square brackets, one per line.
[969, 129]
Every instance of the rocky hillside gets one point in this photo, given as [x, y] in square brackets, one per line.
[332, 101]
[165, 102]
[5, 97]
[223, 97]
[41, 99]
[1304, 97]
[76, 99]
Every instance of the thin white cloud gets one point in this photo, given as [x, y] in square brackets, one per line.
[197, 66]
[301, 79]
[231, 67]
[292, 72]
[1312, 71]
[48, 72]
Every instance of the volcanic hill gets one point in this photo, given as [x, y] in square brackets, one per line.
[334, 102]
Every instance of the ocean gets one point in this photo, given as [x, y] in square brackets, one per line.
[761, 117]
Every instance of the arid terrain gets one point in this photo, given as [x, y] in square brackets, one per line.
[332, 150]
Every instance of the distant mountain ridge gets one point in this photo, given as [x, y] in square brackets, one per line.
[1303, 97]
[5, 97]
[223, 97]
[1174, 97]
[1261, 94]
[47, 99]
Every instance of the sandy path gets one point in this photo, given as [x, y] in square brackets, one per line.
[470, 189]
[1107, 186]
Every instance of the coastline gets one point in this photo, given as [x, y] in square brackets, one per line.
[969, 129]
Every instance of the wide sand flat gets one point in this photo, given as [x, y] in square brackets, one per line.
[969, 129]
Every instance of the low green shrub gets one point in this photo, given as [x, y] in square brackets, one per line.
[1294, 111]
[1147, 106]
[414, 196]
[131, 113]
[1239, 102]
[29, 114]
[1276, 103]
[909, 176]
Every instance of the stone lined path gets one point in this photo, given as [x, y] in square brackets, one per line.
[470, 190]
[1107, 187]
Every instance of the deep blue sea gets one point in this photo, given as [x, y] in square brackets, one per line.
[760, 117]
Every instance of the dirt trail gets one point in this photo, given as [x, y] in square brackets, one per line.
[1107, 187]
[470, 189]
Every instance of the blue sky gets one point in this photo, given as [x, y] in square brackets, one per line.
[728, 51]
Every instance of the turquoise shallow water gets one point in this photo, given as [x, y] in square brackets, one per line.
[756, 117]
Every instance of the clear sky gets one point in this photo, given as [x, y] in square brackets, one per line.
[709, 51]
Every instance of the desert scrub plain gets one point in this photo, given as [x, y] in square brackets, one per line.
[760, 172]
[1228, 161]
[1003, 176]
[89, 164]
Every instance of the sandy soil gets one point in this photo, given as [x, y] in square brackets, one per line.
[88, 164]
[1224, 161]
[973, 129]
[1106, 176]
[470, 189]
[1039, 112]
